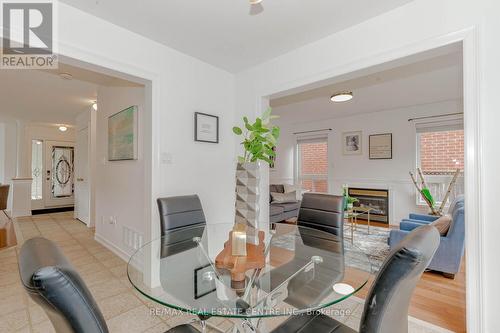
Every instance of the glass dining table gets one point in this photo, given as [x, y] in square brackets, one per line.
[305, 270]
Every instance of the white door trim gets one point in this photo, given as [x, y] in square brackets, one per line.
[88, 59]
[474, 228]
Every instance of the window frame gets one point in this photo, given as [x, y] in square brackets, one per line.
[438, 178]
[298, 161]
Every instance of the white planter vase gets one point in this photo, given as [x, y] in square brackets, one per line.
[247, 198]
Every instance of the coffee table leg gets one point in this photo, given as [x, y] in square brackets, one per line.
[352, 230]
[368, 222]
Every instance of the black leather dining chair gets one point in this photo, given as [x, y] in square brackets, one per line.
[182, 219]
[53, 283]
[180, 212]
[323, 212]
[386, 307]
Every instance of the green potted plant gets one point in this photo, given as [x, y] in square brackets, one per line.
[259, 139]
[350, 202]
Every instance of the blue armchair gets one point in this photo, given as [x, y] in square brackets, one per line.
[451, 249]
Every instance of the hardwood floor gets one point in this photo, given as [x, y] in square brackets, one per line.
[437, 300]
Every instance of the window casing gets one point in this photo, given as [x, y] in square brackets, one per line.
[37, 169]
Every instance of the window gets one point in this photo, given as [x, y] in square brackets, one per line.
[312, 164]
[36, 169]
[440, 154]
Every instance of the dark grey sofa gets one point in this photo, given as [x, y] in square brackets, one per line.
[281, 211]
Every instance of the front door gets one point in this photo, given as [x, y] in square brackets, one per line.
[59, 159]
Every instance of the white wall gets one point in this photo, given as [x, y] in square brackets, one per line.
[120, 189]
[359, 170]
[415, 23]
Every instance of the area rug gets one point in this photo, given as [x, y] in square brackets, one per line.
[374, 244]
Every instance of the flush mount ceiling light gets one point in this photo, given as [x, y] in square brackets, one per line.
[66, 76]
[63, 128]
[256, 7]
[94, 106]
[343, 96]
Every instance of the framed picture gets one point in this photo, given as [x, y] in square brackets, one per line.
[202, 285]
[380, 146]
[122, 135]
[352, 143]
[206, 128]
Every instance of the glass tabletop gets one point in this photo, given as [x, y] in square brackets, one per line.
[305, 270]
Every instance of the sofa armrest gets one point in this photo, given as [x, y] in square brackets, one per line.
[409, 225]
[421, 222]
[423, 217]
[396, 236]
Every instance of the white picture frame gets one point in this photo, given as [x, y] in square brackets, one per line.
[352, 143]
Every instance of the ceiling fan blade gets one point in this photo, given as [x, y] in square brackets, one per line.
[256, 9]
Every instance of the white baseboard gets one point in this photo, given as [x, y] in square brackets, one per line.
[112, 247]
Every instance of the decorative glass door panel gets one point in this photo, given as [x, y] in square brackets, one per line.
[59, 174]
[62, 172]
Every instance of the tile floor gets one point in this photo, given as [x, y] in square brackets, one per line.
[124, 309]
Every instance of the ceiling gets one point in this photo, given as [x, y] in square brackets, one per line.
[42, 96]
[224, 34]
[429, 81]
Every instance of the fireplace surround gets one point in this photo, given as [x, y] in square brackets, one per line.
[377, 199]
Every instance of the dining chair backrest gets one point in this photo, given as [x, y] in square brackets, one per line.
[54, 284]
[180, 212]
[323, 212]
[182, 219]
[386, 307]
[4, 196]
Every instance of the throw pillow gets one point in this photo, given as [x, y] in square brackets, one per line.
[443, 224]
[289, 197]
[294, 188]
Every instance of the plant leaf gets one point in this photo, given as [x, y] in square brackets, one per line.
[237, 130]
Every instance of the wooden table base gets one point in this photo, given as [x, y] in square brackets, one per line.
[239, 265]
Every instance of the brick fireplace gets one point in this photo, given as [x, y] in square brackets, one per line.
[376, 199]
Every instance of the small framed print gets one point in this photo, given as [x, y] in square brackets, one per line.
[206, 128]
[352, 143]
[204, 281]
[380, 146]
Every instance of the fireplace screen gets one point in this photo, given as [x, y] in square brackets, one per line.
[62, 172]
[377, 200]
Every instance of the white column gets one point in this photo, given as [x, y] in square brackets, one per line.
[21, 197]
